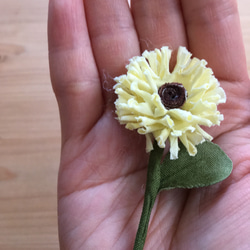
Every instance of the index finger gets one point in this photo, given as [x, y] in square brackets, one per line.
[214, 33]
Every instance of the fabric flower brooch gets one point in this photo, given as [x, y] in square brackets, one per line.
[169, 105]
[172, 106]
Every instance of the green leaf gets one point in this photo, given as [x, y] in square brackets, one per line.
[209, 166]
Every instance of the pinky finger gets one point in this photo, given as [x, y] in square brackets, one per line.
[74, 75]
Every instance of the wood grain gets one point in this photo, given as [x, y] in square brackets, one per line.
[29, 126]
[29, 130]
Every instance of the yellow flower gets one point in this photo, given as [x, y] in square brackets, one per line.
[169, 105]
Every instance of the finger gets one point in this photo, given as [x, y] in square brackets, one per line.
[113, 37]
[74, 74]
[159, 23]
[214, 33]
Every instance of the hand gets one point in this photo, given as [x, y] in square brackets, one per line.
[103, 165]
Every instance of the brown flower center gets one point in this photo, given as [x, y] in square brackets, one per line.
[173, 95]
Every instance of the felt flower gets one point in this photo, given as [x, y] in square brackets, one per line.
[166, 105]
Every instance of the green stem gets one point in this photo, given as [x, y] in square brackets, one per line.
[152, 189]
[143, 226]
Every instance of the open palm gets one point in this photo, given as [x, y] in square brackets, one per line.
[103, 166]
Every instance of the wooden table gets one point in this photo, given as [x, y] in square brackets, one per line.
[29, 126]
[29, 130]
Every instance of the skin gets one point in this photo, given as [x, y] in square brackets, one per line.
[103, 166]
